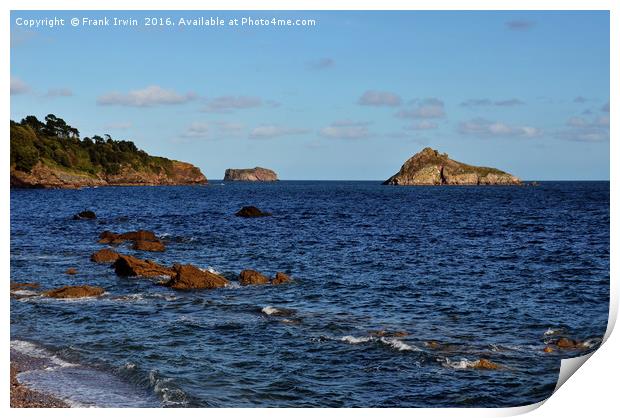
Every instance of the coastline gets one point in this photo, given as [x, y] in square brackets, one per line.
[21, 395]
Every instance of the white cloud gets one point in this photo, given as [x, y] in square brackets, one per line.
[147, 97]
[520, 25]
[605, 107]
[322, 64]
[18, 86]
[581, 129]
[424, 109]
[60, 92]
[197, 130]
[379, 98]
[488, 102]
[346, 129]
[421, 126]
[229, 128]
[225, 104]
[275, 131]
[483, 127]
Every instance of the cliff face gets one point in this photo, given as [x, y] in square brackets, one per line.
[429, 167]
[250, 174]
[46, 176]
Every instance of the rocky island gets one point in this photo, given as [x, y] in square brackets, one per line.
[430, 167]
[250, 174]
[51, 154]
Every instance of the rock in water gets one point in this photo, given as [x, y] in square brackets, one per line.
[485, 364]
[187, 277]
[104, 256]
[429, 167]
[87, 214]
[149, 246]
[280, 278]
[70, 292]
[250, 174]
[251, 212]
[129, 266]
[71, 271]
[249, 277]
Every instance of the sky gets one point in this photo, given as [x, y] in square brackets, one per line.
[349, 98]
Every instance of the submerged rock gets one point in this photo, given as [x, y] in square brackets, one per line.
[252, 277]
[187, 277]
[108, 237]
[87, 214]
[250, 174]
[18, 286]
[149, 246]
[69, 292]
[384, 333]
[128, 266]
[280, 278]
[251, 212]
[429, 167]
[71, 271]
[485, 364]
[104, 256]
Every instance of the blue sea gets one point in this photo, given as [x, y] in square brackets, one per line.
[396, 293]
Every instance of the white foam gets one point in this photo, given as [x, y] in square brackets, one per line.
[24, 292]
[29, 349]
[355, 340]
[460, 364]
[554, 331]
[398, 344]
[270, 310]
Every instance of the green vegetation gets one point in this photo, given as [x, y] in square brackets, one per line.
[55, 143]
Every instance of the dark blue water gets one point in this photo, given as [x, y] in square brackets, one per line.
[485, 271]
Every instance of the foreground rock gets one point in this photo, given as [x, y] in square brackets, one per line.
[128, 266]
[280, 278]
[71, 292]
[251, 212]
[188, 277]
[429, 167]
[87, 214]
[252, 277]
[104, 256]
[250, 174]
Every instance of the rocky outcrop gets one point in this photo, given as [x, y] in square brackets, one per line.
[250, 174]
[128, 266]
[252, 277]
[251, 212]
[104, 256]
[45, 176]
[71, 292]
[429, 167]
[86, 214]
[188, 277]
[280, 278]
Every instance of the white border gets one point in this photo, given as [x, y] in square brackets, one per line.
[591, 393]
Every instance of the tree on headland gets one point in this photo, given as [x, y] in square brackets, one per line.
[55, 142]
